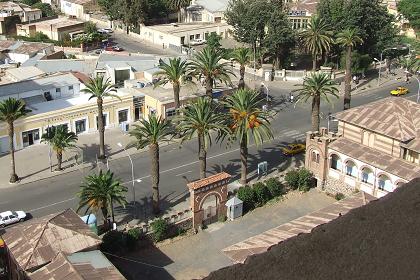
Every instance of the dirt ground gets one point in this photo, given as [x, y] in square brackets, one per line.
[378, 241]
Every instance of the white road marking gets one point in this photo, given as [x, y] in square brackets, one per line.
[183, 173]
[49, 205]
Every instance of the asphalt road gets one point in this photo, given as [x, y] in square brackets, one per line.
[179, 164]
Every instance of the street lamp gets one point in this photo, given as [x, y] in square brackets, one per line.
[380, 63]
[418, 88]
[132, 171]
[266, 90]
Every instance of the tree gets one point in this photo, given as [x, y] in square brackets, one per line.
[317, 38]
[11, 110]
[370, 17]
[175, 73]
[134, 12]
[213, 41]
[348, 39]
[247, 120]
[317, 86]
[201, 118]
[280, 37]
[148, 134]
[112, 8]
[100, 192]
[100, 88]
[60, 139]
[206, 64]
[178, 5]
[30, 2]
[243, 57]
[90, 27]
[46, 9]
[411, 65]
[410, 9]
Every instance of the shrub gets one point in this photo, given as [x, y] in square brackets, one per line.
[133, 236]
[246, 194]
[160, 228]
[113, 241]
[306, 180]
[222, 218]
[292, 179]
[339, 196]
[261, 194]
[274, 186]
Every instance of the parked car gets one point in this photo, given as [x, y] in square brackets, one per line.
[117, 49]
[399, 91]
[108, 30]
[11, 217]
[197, 42]
[293, 149]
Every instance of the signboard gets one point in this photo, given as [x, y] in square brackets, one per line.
[262, 168]
[295, 13]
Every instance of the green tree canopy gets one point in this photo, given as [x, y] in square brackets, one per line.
[410, 9]
[46, 9]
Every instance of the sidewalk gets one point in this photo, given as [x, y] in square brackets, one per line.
[32, 163]
[196, 256]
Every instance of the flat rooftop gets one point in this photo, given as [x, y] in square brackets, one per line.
[183, 27]
[55, 23]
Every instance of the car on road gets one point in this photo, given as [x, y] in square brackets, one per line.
[117, 49]
[105, 31]
[293, 149]
[399, 91]
[11, 217]
[197, 42]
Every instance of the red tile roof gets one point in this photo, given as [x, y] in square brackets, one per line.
[208, 181]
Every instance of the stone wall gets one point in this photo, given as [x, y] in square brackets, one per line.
[334, 186]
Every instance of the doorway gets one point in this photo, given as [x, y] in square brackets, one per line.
[30, 137]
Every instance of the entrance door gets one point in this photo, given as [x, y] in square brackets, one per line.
[30, 137]
[210, 207]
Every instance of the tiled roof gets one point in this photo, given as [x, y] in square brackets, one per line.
[392, 165]
[4, 45]
[208, 181]
[260, 243]
[304, 5]
[37, 242]
[394, 117]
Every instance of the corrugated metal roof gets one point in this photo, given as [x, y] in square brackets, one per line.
[394, 117]
[37, 242]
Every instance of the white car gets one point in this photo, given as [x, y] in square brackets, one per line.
[197, 42]
[11, 217]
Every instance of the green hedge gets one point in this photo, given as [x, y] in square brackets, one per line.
[275, 187]
[261, 194]
[246, 194]
[300, 179]
[113, 241]
[160, 228]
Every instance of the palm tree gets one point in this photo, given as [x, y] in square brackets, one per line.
[206, 63]
[10, 110]
[246, 119]
[99, 192]
[100, 88]
[348, 39]
[178, 5]
[317, 38]
[411, 64]
[317, 86]
[175, 73]
[201, 118]
[60, 139]
[243, 57]
[149, 133]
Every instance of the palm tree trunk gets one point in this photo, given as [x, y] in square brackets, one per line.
[241, 84]
[314, 63]
[202, 156]
[244, 156]
[347, 81]
[278, 62]
[112, 211]
[179, 15]
[316, 100]
[105, 215]
[11, 131]
[176, 89]
[101, 129]
[59, 160]
[209, 87]
[154, 155]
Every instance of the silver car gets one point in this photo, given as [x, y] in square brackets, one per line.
[11, 217]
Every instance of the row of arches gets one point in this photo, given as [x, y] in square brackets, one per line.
[365, 174]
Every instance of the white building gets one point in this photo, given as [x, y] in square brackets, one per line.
[76, 8]
[19, 52]
[206, 11]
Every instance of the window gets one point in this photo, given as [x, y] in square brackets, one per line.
[335, 162]
[70, 87]
[191, 37]
[315, 157]
[367, 176]
[351, 169]
[197, 36]
[80, 126]
[58, 90]
[384, 183]
[51, 126]
[48, 96]
[123, 116]
[170, 112]
[30, 137]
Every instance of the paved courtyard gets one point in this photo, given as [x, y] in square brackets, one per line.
[196, 256]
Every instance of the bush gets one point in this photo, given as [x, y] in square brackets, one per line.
[246, 194]
[306, 179]
[274, 186]
[292, 179]
[113, 241]
[133, 236]
[339, 196]
[160, 228]
[261, 194]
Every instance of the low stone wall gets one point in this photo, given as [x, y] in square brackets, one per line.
[334, 186]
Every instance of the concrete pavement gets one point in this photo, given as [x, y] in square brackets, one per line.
[179, 164]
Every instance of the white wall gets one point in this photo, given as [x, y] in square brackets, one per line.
[72, 9]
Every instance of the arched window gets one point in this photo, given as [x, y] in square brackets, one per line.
[384, 183]
[367, 176]
[335, 162]
[315, 156]
[351, 169]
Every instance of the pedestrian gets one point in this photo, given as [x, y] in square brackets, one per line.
[291, 97]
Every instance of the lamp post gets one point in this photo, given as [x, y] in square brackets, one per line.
[418, 88]
[266, 90]
[132, 171]
[380, 63]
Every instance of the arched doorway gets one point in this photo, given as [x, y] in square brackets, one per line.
[210, 206]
